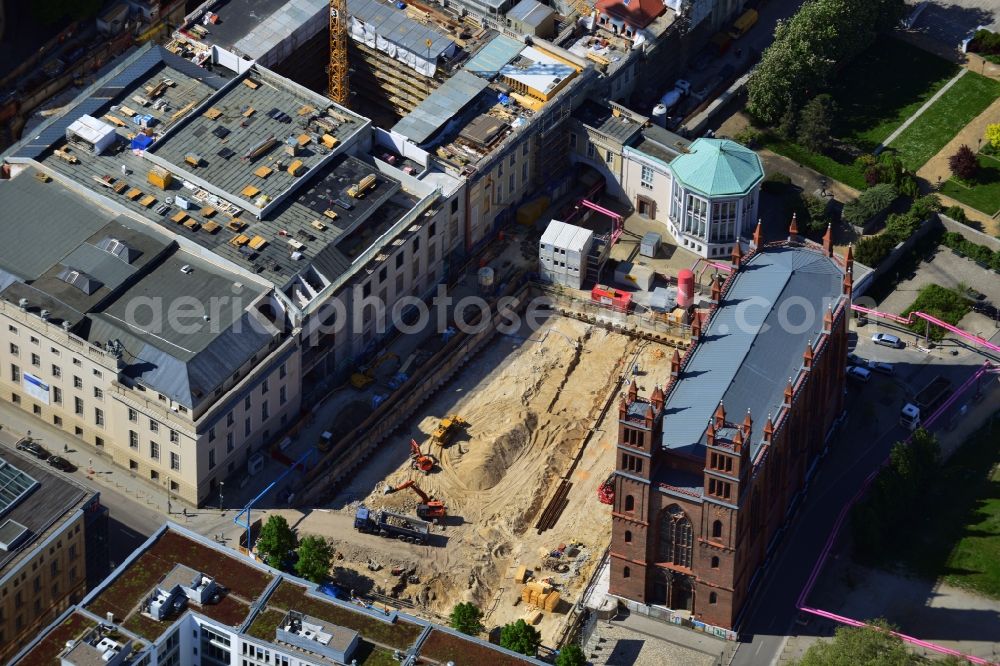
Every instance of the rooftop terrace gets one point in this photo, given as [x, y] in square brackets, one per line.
[254, 606]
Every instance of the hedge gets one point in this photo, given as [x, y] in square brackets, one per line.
[873, 202]
[979, 253]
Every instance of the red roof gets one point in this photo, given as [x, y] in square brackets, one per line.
[636, 13]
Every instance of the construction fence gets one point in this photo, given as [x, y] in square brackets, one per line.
[648, 325]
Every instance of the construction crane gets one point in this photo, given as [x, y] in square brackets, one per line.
[429, 508]
[337, 69]
[420, 460]
[447, 428]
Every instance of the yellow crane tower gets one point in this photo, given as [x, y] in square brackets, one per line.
[337, 69]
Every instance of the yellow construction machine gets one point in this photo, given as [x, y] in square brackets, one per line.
[365, 375]
[447, 429]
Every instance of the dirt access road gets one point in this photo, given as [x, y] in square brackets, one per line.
[529, 400]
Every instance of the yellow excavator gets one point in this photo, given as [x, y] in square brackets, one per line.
[365, 375]
[447, 429]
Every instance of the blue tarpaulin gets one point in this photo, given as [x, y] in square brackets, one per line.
[141, 142]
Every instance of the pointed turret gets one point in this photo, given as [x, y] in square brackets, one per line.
[828, 240]
[793, 229]
[720, 416]
[758, 235]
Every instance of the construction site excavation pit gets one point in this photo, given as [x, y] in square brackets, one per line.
[526, 404]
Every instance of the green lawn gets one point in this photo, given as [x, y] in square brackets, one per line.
[984, 193]
[929, 133]
[848, 174]
[955, 529]
[881, 89]
[884, 87]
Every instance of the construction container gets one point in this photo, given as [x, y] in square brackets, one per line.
[160, 177]
[617, 300]
[650, 244]
[529, 213]
[294, 167]
[634, 275]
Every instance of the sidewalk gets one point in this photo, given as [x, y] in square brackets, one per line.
[107, 474]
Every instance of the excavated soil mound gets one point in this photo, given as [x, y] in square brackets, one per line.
[486, 463]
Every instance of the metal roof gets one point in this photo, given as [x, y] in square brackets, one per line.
[746, 355]
[440, 106]
[186, 359]
[491, 58]
[566, 236]
[529, 12]
[718, 167]
[43, 222]
[395, 26]
[601, 118]
[96, 99]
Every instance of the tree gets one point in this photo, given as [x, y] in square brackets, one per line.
[992, 135]
[814, 123]
[964, 163]
[315, 556]
[811, 47]
[789, 121]
[571, 655]
[872, 645]
[817, 218]
[276, 541]
[465, 617]
[520, 637]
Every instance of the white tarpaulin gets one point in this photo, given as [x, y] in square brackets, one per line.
[366, 34]
[91, 131]
[36, 388]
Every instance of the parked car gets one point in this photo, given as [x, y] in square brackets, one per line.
[879, 366]
[858, 373]
[61, 463]
[887, 340]
[34, 448]
[854, 359]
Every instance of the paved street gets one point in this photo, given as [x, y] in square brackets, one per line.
[131, 522]
[869, 433]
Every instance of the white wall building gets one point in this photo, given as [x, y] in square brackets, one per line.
[563, 252]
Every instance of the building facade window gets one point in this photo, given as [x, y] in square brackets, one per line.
[629, 503]
[154, 426]
[99, 417]
[133, 415]
[717, 529]
[174, 437]
[646, 177]
[211, 458]
[676, 537]
[154, 450]
[133, 439]
[175, 461]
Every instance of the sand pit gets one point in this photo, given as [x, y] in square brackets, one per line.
[529, 402]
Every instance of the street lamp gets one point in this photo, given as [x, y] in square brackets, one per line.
[221, 484]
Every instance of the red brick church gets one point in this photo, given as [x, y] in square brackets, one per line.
[708, 465]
